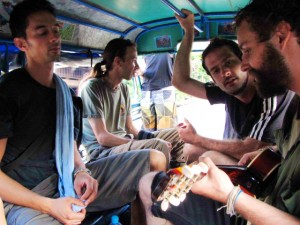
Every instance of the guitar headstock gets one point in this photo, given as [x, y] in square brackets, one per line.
[173, 187]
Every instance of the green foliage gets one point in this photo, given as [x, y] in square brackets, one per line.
[197, 73]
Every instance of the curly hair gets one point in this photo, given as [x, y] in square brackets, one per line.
[264, 15]
[18, 21]
[217, 43]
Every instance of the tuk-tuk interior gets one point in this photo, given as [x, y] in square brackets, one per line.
[89, 25]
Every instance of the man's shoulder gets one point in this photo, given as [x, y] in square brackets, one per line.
[123, 86]
[281, 99]
[12, 75]
[92, 83]
[217, 95]
[212, 87]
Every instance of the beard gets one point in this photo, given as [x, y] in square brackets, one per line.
[242, 88]
[273, 77]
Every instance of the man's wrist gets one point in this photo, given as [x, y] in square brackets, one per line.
[195, 139]
[82, 170]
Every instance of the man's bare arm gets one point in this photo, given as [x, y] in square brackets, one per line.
[104, 137]
[2, 216]
[131, 129]
[217, 185]
[14, 192]
[233, 148]
[181, 75]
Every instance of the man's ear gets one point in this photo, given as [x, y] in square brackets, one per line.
[20, 43]
[117, 61]
[283, 32]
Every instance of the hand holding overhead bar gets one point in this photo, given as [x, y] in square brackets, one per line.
[178, 12]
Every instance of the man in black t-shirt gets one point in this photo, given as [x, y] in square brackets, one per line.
[43, 178]
[250, 119]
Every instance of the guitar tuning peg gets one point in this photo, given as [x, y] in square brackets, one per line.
[164, 205]
[188, 172]
[174, 200]
[182, 197]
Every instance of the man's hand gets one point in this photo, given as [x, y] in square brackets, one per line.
[186, 132]
[215, 184]
[248, 157]
[61, 209]
[186, 23]
[85, 187]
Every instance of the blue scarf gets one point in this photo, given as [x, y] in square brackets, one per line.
[64, 141]
[64, 138]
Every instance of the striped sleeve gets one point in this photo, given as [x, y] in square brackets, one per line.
[269, 108]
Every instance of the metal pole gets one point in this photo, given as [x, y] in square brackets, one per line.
[178, 12]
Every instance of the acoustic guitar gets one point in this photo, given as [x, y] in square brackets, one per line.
[173, 186]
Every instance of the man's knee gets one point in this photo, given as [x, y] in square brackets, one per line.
[145, 186]
[158, 160]
[162, 146]
[167, 134]
[161, 143]
[220, 158]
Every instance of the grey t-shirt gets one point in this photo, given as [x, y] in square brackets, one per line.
[101, 101]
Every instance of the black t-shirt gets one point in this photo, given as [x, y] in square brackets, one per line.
[257, 119]
[28, 120]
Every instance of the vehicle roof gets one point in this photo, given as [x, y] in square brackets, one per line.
[90, 25]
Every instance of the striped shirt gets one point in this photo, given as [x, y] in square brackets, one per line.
[257, 119]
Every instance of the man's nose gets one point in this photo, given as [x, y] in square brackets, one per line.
[245, 64]
[226, 72]
[54, 36]
[137, 66]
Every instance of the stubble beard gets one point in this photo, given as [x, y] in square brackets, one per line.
[242, 88]
[273, 77]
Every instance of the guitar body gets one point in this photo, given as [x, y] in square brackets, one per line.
[240, 176]
[257, 176]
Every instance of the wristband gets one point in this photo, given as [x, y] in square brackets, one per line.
[233, 196]
[82, 170]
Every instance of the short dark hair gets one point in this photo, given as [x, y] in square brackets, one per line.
[18, 21]
[264, 15]
[115, 48]
[217, 43]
